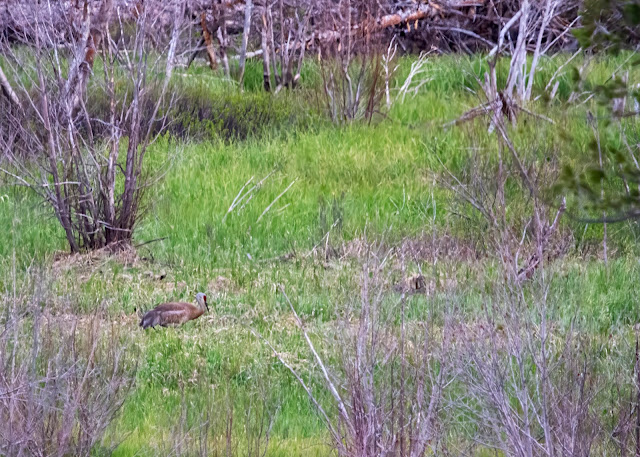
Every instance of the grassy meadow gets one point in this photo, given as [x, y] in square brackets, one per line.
[327, 193]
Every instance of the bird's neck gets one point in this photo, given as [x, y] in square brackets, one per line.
[199, 310]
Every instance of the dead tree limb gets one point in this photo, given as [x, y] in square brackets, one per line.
[248, 10]
[82, 65]
[208, 42]
[221, 34]
[194, 54]
[266, 65]
[8, 91]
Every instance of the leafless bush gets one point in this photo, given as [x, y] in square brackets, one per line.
[49, 140]
[533, 19]
[518, 218]
[62, 381]
[534, 387]
[387, 379]
[351, 60]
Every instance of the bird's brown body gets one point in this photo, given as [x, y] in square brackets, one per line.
[175, 313]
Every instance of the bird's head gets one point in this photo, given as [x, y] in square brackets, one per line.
[202, 300]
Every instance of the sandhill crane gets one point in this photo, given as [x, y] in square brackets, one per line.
[174, 313]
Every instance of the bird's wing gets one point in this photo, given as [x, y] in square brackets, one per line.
[172, 307]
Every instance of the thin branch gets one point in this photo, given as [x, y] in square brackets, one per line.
[332, 388]
[332, 430]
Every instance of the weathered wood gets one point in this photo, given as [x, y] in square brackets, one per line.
[8, 91]
[82, 65]
[220, 10]
[194, 54]
[208, 41]
[248, 10]
[461, 22]
[266, 65]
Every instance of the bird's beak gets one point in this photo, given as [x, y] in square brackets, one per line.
[205, 304]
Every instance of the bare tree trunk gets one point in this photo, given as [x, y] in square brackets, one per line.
[221, 34]
[282, 42]
[549, 9]
[82, 65]
[296, 78]
[266, 65]
[518, 60]
[108, 184]
[276, 75]
[248, 9]
[59, 204]
[194, 54]
[222, 39]
[291, 80]
[127, 208]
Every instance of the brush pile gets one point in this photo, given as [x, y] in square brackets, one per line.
[443, 25]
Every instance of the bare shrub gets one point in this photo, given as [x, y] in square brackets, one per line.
[387, 378]
[534, 387]
[511, 207]
[351, 60]
[62, 382]
[533, 384]
[51, 144]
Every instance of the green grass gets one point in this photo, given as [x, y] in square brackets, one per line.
[356, 181]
